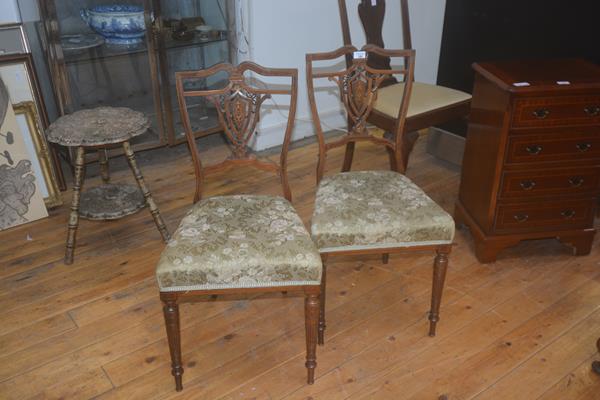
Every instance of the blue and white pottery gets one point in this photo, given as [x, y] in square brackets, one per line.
[118, 23]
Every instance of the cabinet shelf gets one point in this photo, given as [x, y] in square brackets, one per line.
[107, 51]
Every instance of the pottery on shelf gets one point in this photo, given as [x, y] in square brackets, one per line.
[118, 23]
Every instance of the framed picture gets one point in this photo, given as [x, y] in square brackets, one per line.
[21, 200]
[17, 73]
[37, 148]
[13, 39]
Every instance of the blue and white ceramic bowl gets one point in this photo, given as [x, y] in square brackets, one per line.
[118, 23]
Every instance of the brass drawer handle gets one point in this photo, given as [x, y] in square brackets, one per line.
[534, 150]
[528, 185]
[541, 113]
[568, 214]
[520, 218]
[592, 111]
[583, 147]
[576, 181]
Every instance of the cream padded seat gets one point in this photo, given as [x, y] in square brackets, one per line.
[424, 98]
[239, 242]
[376, 209]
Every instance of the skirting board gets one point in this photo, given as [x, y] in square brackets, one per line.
[445, 145]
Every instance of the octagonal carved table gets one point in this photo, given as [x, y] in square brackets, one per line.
[102, 128]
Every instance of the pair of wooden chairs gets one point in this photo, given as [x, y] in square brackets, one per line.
[248, 244]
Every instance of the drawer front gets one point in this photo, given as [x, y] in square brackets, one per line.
[553, 147]
[533, 217]
[556, 111]
[563, 182]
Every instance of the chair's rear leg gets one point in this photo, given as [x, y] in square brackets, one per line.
[322, 298]
[439, 276]
[385, 258]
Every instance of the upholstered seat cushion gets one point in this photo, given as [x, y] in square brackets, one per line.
[424, 98]
[376, 209]
[239, 242]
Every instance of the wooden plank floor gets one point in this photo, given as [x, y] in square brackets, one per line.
[522, 328]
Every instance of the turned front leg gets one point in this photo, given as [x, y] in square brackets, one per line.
[311, 311]
[440, 266]
[171, 313]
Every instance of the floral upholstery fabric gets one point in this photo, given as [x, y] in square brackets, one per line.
[376, 209]
[239, 242]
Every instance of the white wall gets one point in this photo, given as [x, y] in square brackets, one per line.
[281, 32]
[9, 12]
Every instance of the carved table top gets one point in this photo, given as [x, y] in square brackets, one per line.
[98, 126]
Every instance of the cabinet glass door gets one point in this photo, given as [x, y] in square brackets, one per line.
[107, 61]
[193, 36]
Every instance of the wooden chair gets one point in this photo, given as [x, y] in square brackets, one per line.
[366, 212]
[243, 243]
[430, 104]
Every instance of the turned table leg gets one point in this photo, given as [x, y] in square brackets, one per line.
[160, 224]
[103, 161]
[74, 215]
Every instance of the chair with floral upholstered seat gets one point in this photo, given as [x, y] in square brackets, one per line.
[239, 243]
[366, 212]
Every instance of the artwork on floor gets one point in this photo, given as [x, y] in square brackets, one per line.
[37, 148]
[21, 200]
[16, 71]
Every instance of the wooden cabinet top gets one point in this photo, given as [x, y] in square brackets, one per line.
[541, 75]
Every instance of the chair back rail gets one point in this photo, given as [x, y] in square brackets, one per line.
[238, 105]
[358, 85]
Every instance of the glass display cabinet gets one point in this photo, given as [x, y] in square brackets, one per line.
[126, 52]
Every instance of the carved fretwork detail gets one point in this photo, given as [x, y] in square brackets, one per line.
[358, 89]
[239, 113]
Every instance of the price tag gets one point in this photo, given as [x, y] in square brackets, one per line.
[521, 84]
[360, 55]
[373, 3]
[563, 82]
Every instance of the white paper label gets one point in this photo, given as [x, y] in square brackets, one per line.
[373, 3]
[521, 84]
[360, 54]
[563, 82]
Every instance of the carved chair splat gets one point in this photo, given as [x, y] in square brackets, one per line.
[373, 212]
[431, 104]
[238, 244]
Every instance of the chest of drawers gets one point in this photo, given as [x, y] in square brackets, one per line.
[531, 168]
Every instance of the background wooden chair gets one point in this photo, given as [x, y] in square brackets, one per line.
[430, 104]
[244, 243]
[366, 212]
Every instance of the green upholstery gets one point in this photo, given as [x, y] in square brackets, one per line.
[239, 242]
[376, 209]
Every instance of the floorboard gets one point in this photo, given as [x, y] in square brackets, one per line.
[522, 328]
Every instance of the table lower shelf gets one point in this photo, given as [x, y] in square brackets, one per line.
[111, 201]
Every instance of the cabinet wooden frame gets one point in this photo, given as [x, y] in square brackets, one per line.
[163, 101]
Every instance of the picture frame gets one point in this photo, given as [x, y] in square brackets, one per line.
[18, 74]
[21, 199]
[13, 39]
[39, 152]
